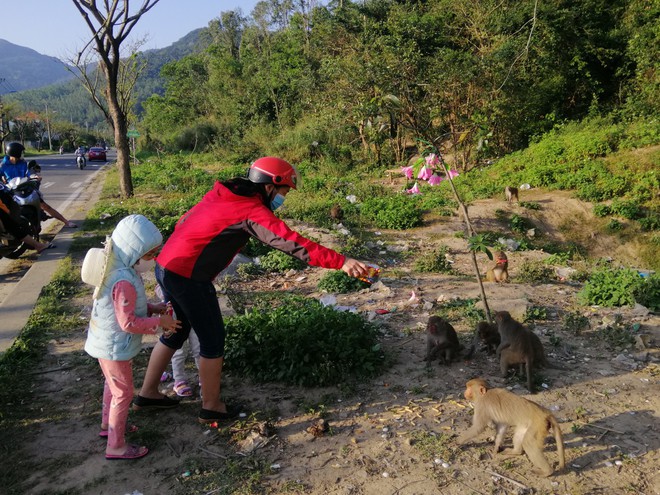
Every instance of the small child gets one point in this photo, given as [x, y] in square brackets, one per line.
[181, 383]
[120, 315]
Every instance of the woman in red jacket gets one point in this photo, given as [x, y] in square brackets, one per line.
[204, 242]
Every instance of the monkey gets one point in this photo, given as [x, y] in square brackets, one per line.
[511, 193]
[531, 421]
[517, 346]
[486, 333]
[336, 212]
[500, 272]
[441, 340]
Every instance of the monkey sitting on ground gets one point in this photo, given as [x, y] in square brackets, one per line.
[511, 193]
[336, 212]
[500, 272]
[486, 333]
[531, 421]
[441, 340]
[518, 345]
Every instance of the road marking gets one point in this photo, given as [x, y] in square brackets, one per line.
[46, 185]
[75, 184]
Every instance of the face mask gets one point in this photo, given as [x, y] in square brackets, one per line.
[143, 266]
[276, 202]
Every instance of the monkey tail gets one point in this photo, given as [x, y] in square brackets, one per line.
[559, 440]
[528, 364]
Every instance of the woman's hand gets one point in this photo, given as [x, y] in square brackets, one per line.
[354, 268]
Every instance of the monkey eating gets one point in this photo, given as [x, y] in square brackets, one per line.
[531, 421]
[500, 272]
[486, 333]
[511, 193]
[441, 340]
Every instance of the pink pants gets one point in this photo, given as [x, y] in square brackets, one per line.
[117, 396]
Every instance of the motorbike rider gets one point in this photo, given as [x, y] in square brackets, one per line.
[80, 153]
[13, 164]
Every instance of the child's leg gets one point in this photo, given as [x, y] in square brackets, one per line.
[119, 379]
[105, 412]
[194, 347]
[179, 364]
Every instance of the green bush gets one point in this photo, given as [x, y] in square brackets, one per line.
[535, 271]
[626, 209]
[303, 343]
[434, 261]
[338, 282]
[650, 222]
[398, 212]
[602, 210]
[277, 261]
[647, 292]
[610, 287]
[574, 322]
[614, 226]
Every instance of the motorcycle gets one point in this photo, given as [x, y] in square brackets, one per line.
[81, 161]
[10, 246]
[25, 191]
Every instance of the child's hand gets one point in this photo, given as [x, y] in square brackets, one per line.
[169, 324]
[159, 308]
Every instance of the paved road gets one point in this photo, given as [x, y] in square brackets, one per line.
[71, 192]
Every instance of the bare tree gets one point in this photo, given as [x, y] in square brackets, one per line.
[110, 24]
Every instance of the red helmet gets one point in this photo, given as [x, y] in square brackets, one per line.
[271, 170]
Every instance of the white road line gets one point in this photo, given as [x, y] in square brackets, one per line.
[46, 185]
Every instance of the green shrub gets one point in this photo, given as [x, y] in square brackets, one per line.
[338, 282]
[398, 212]
[602, 210]
[536, 313]
[530, 205]
[650, 222]
[535, 271]
[520, 224]
[610, 287]
[574, 322]
[647, 292]
[277, 261]
[626, 209]
[614, 225]
[303, 343]
[434, 261]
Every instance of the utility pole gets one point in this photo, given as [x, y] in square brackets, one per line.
[50, 143]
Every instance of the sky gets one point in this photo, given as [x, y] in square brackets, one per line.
[56, 28]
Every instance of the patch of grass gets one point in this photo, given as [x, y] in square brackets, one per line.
[459, 309]
[575, 323]
[432, 445]
[298, 341]
[338, 282]
[531, 271]
[434, 261]
[277, 261]
[610, 287]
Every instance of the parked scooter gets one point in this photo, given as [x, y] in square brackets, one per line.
[10, 246]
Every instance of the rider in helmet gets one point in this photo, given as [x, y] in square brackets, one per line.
[13, 164]
[204, 242]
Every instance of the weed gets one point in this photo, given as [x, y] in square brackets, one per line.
[457, 309]
[536, 313]
[575, 323]
[530, 205]
[610, 287]
[534, 271]
[338, 282]
[298, 341]
[614, 226]
[432, 445]
[555, 341]
[277, 261]
[394, 212]
[647, 292]
[520, 224]
[434, 261]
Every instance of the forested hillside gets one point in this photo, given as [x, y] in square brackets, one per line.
[22, 68]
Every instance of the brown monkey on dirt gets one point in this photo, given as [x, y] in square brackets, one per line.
[486, 333]
[500, 272]
[511, 193]
[517, 346]
[336, 212]
[441, 340]
[531, 421]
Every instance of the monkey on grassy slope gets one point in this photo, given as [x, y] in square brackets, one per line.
[530, 421]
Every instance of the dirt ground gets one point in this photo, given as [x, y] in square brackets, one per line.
[606, 399]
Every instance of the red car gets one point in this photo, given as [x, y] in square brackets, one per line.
[96, 154]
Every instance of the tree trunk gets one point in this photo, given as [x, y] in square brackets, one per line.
[123, 150]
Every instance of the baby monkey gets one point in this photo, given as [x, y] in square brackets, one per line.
[503, 408]
[441, 340]
[485, 333]
[500, 272]
[511, 193]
